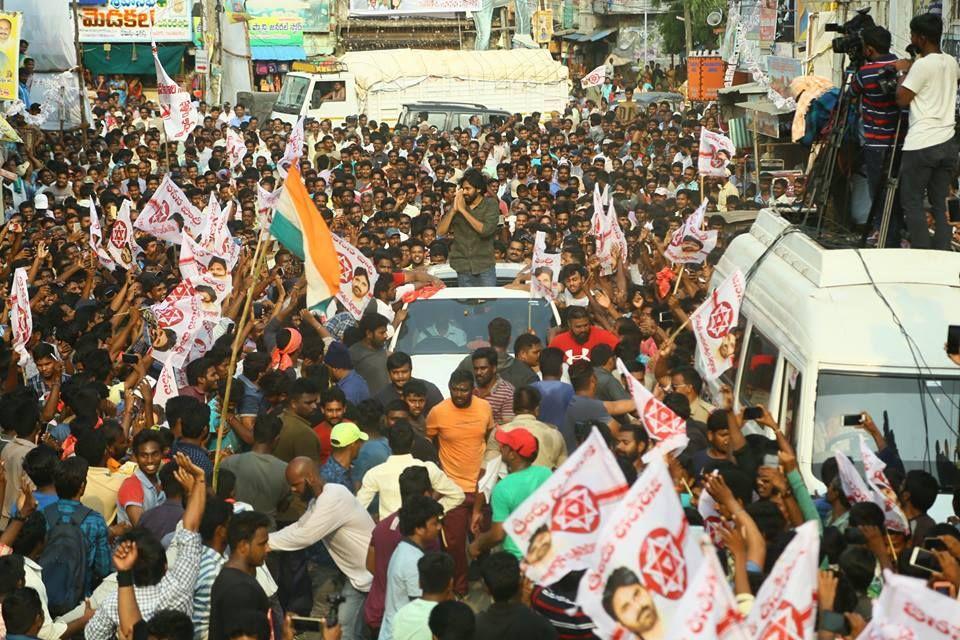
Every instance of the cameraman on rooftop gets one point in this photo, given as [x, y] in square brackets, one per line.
[879, 114]
[929, 87]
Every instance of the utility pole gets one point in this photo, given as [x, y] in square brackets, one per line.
[81, 84]
[687, 26]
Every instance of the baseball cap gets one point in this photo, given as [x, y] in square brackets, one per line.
[660, 191]
[520, 440]
[393, 231]
[40, 201]
[345, 434]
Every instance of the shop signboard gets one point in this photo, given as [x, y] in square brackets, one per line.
[129, 21]
[375, 8]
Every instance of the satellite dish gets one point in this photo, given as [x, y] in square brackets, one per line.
[714, 18]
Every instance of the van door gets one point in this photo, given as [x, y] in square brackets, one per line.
[333, 96]
[761, 361]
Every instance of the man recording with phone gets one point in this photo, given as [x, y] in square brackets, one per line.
[879, 115]
[928, 86]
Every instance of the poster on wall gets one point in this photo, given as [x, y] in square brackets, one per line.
[129, 21]
[317, 17]
[372, 8]
[705, 77]
[782, 71]
[9, 55]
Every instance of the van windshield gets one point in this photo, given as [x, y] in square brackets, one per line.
[292, 94]
[905, 399]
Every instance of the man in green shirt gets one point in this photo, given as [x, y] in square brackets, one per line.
[473, 219]
[436, 582]
[518, 448]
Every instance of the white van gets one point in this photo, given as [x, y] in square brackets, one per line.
[818, 341]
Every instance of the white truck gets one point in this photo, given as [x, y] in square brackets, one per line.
[380, 83]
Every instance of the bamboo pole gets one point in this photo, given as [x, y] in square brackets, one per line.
[259, 256]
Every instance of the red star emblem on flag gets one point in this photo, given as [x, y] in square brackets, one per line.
[345, 270]
[660, 421]
[720, 319]
[576, 511]
[787, 623]
[662, 564]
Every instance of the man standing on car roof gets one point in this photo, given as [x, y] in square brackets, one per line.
[473, 220]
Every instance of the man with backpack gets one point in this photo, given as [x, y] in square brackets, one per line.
[77, 554]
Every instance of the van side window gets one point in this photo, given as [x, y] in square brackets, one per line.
[760, 361]
[461, 120]
[729, 377]
[790, 399]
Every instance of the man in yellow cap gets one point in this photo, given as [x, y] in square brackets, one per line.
[346, 439]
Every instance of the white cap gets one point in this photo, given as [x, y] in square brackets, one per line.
[660, 191]
[40, 201]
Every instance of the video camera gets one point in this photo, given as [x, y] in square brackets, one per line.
[849, 42]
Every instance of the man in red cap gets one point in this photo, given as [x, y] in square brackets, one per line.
[518, 448]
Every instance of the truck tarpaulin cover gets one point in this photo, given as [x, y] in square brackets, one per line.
[378, 70]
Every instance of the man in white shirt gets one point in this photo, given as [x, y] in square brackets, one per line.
[383, 480]
[334, 516]
[928, 86]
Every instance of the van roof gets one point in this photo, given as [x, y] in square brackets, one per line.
[825, 307]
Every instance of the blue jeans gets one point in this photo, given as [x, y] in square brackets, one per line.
[350, 612]
[486, 278]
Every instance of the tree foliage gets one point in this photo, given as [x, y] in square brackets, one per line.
[672, 29]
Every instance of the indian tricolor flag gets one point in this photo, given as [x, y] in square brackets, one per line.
[300, 228]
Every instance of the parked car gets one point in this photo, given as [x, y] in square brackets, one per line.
[443, 328]
[447, 116]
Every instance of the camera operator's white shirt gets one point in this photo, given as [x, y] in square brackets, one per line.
[933, 78]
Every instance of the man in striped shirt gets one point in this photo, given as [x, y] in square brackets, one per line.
[879, 114]
[213, 533]
[491, 387]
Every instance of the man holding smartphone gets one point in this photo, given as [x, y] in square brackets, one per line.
[928, 86]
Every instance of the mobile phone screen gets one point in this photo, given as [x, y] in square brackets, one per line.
[953, 339]
[924, 560]
[752, 413]
[852, 420]
[309, 625]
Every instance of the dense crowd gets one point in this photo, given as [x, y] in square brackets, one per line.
[347, 487]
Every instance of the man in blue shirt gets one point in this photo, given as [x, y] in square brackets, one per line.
[555, 395]
[340, 364]
[346, 438]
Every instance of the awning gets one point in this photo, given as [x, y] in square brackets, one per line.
[277, 53]
[591, 37]
[121, 58]
[764, 106]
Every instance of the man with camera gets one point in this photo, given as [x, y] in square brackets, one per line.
[879, 115]
[928, 86]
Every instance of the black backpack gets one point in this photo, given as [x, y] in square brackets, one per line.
[64, 558]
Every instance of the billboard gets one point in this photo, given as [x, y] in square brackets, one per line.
[9, 55]
[376, 8]
[129, 21]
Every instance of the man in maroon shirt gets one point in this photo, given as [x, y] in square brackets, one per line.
[581, 336]
[414, 481]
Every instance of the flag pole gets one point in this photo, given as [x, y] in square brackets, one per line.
[676, 287]
[259, 256]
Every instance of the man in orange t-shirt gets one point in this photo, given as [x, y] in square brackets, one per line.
[460, 426]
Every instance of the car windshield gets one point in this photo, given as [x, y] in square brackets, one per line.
[292, 94]
[460, 326]
[899, 402]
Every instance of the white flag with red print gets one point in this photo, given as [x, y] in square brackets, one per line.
[708, 610]
[716, 152]
[713, 522]
[661, 423]
[266, 203]
[21, 317]
[121, 245]
[177, 110]
[690, 244]
[544, 269]
[595, 78]
[883, 492]
[166, 385]
[293, 150]
[713, 324]
[853, 485]
[556, 526]
[908, 610]
[96, 240]
[157, 216]
[607, 233]
[177, 320]
[785, 607]
[236, 148]
[357, 277]
[643, 561]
